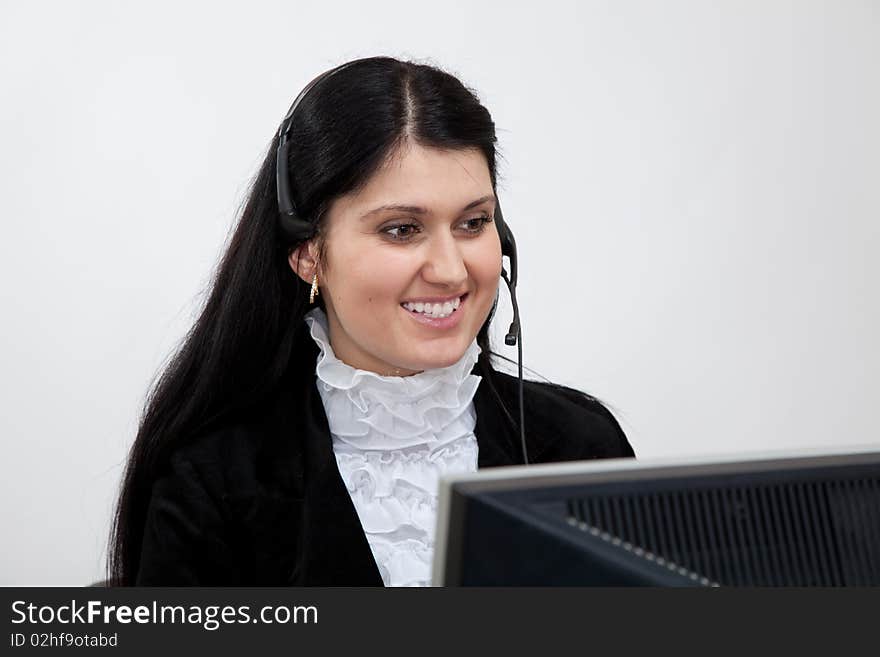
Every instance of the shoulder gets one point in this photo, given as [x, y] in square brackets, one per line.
[566, 423]
[263, 448]
[240, 457]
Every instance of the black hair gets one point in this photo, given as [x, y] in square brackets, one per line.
[237, 351]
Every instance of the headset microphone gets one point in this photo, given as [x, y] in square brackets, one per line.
[514, 333]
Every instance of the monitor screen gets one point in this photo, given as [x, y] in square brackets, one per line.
[784, 519]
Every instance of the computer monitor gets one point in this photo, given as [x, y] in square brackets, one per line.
[784, 519]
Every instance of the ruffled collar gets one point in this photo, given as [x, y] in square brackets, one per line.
[333, 371]
[407, 407]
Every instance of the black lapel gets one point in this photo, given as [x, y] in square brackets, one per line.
[494, 434]
[334, 549]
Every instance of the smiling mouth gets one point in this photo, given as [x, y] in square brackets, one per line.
[437, 310]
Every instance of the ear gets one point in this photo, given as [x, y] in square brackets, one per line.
[303, 260]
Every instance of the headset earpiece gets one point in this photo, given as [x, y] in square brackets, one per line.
[508, 243]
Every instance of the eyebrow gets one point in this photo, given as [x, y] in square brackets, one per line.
[415, 209]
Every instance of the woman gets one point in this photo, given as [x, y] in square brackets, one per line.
[342, 361]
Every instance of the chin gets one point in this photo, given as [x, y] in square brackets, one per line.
[440, 358]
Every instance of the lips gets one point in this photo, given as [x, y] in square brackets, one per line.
[451, 302]
[439, 323]
[435, 301]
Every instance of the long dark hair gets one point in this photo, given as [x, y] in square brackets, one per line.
[239, 348]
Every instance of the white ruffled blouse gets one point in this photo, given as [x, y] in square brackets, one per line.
[393, 437]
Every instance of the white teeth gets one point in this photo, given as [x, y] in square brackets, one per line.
[436, 310]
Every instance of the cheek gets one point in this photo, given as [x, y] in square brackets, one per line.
[486, 263]
[371, 278]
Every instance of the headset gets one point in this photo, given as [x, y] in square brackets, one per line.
[295, 228]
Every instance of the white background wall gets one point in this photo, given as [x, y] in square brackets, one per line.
[694, 187]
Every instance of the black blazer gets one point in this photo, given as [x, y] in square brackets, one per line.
[260, 502]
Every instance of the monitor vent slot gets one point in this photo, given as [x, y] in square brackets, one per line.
[812, 533]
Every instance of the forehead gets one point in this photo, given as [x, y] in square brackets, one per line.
[440, 180]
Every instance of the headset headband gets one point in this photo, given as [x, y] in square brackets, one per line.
[294, 227]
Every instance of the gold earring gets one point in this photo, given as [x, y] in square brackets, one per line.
[314, 291]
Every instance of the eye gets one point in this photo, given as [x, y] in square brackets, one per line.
[406, 231]
[480, 224]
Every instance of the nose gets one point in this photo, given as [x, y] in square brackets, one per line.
[444, 263]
